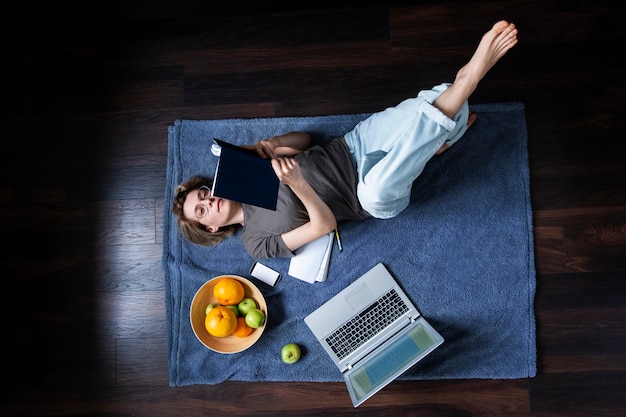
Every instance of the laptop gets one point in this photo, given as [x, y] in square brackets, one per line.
[372, 332]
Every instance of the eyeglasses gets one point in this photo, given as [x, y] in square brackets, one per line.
[204, 193]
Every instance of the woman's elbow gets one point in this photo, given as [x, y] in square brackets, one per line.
[331, 224]
[304, 140]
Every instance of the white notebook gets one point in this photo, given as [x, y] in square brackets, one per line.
[311, 261]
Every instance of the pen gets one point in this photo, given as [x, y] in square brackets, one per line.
[338, 240]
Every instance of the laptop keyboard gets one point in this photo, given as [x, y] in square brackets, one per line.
[367, 324]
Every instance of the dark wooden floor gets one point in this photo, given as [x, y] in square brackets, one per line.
[87, 106]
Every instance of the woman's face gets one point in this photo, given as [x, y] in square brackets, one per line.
[212, 212]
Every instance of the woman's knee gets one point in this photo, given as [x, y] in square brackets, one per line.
[379, 203]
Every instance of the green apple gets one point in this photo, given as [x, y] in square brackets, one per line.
[235, 310]
[210, 307]
[255, 318]
[246, 305]
[290, 353]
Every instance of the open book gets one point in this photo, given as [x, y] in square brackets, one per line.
[311, 261]
[242, 175]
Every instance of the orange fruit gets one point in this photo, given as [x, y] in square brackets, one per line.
[220, 321]
[242, 329]
[228, 291]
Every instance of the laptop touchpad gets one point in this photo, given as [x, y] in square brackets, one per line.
[360, 297]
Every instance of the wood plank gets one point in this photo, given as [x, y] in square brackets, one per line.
[569, 341]
[430, 398]
[579, 394]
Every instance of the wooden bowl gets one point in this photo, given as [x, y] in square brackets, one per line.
[230, 344]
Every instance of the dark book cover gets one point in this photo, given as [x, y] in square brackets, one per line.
[243, 176]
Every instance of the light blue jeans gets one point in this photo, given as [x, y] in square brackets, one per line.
[391, 149]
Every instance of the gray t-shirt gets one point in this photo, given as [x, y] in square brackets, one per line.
[329, 169]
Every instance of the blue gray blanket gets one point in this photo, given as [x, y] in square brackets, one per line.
[463, 251]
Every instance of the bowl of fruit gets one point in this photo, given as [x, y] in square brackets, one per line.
[228, 314]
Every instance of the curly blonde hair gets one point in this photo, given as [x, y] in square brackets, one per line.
[192, 230]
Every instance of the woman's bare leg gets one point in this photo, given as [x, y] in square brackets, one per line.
[493, 45]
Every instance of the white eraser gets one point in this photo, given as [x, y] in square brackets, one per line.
[265, 274]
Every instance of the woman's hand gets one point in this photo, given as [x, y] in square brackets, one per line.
[288, 171]
[266, 148]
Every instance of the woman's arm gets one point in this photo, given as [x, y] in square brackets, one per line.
[288, 144]
[321, 218]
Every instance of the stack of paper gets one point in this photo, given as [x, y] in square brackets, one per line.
[311, 261]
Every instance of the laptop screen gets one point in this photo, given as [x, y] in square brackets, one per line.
[377, 370]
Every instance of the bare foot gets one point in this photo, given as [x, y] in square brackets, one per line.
[493, 45]
[470, 121]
